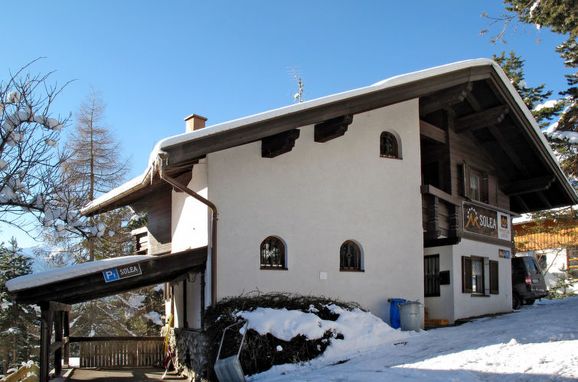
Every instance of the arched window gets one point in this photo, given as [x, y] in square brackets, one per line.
[273, 253]
[389, 146]
[350, 257]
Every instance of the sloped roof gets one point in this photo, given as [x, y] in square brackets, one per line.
[184, 149]
[86, 281]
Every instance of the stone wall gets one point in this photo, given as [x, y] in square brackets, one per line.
[191, 352]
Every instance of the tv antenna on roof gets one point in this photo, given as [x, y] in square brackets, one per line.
[298, 96]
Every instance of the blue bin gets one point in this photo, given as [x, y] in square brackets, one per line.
[394, 320]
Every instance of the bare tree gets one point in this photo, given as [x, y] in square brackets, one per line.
[93, 166]
[29, 135]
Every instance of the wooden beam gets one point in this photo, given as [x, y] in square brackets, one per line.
[279, 144]
[481, 119]
[544, 199]
[528, 186]
[503, 143]
[56, 347]
[445, 98]
[432, 132]
[45, 337]
[431, 190]
[498, 135]
[522, 203]
[66, 338]
[333, 128]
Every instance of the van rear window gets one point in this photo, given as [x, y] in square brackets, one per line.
[531, 265]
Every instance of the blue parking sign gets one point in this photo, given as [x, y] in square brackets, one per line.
[110, 275]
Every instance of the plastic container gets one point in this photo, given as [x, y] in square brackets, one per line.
[410, 315]
[394, 315]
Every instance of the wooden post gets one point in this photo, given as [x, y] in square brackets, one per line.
[58, 317]
[66, 335]
[45, 333]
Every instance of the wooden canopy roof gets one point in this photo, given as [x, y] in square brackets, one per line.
[90, 286]
[477, 91]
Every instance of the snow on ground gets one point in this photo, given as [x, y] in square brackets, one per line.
[537, 343]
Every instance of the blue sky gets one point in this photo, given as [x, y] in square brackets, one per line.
[156, 62]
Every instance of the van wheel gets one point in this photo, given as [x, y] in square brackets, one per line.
[529, 301]
[516, 302]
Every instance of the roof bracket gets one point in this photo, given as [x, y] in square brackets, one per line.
[278, 144]
[332, 128]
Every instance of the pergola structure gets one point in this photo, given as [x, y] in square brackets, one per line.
[55, 294]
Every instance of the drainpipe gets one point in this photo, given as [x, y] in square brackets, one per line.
[214, 218]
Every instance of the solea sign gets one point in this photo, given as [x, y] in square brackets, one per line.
[487, 222]
[119, 273]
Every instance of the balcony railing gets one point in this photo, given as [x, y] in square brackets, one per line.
[441, 216]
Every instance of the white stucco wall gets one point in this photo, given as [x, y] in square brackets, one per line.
[190, 229]
[467, 305]
[316, 197]
[442, 307]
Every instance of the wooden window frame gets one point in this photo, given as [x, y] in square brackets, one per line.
[265, 253]
[431, 280]
[357, 257]
[480, 285]
[465, 183]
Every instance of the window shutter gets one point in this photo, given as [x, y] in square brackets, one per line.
[494, 277]
[463, 180]
[486, 276]
[466, 274]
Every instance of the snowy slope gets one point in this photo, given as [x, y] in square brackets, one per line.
[537, 343]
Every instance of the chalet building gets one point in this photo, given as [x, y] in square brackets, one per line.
[405, 188]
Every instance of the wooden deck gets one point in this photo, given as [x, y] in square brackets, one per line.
[122, 375]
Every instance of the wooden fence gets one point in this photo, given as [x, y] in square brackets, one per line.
[114, 352]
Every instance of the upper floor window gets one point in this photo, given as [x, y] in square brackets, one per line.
[474, 183]
[389, 146]
[350, 257]
[273, 254]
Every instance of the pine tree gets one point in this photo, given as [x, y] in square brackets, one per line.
[19, 330]
[561, 17]
[534, 97]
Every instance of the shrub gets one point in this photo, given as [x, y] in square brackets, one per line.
[260, 351]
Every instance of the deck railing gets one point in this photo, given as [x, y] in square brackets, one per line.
[114, 352]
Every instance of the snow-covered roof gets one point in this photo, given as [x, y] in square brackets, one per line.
[219, 130]
[66, 273]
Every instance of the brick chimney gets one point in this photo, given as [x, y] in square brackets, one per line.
[194, 122]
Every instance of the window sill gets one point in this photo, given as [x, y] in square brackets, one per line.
[390, 157]
[352, 270]
[479, 295]
[274, 269]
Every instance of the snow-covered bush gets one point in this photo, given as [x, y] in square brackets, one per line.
[309, 317]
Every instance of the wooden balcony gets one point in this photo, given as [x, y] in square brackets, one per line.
[441, 217]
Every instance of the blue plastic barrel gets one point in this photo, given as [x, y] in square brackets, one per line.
[394, 303]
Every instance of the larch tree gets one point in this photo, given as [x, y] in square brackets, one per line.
[93, 166]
